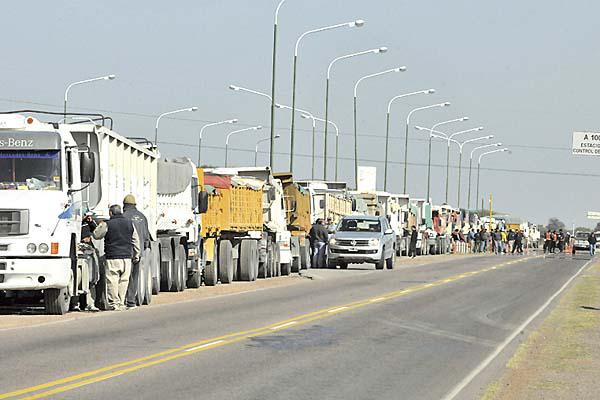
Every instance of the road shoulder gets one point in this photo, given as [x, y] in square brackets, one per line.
[561, 359]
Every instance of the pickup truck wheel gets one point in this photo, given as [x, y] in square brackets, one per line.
[225, 262]
[343, 266]
[380, 264]
[210, 274]
[389, 263]
[331, 264]
[57, 301]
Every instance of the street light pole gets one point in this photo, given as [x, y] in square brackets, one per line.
[430, 138]
[165, 114]
[398, 69]
[461, 145]
[272, 97]
[314, 124]
[357, 23]
[479, 166]
[66, 98]
[337, 136]
[470, 165]
[256, 148]
[253, 128]
[229, 121]
[379, 50]
[387, 128]
[446, 104]
[480, 128]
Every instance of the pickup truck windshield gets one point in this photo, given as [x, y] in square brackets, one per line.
[581, 235]
[359, 225]
[30, 170]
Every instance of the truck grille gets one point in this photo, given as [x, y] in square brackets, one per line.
[14, 222]
[2, 268]
[353, 243]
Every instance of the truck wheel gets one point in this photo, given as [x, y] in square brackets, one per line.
[183, 265]
[255, 260]
[154, 256]
[176, 271]
[247, 260]
[225, 262]
[141, 282]
[296, 264]
[343, 266]
[277, 262]
[286, 269]
[57, 301]
[331, 264]
[148, 292]
[210, 274]
[166, 269]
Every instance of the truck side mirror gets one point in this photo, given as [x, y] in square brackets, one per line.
[353, 204]
[87, 167]
[202, 202]
[272, 194]
[322, 204]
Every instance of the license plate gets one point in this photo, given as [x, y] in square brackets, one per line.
[353, 249]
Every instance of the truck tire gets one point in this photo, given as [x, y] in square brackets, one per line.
[183, 264]
[141, 282]
[286, 269]
[246, 260]
[195, 277]
[304, 257]
[166, 269]
[154, 256]
[343, 265]
[176, 270]
[256, 261]
[210, 274]
[296, 264]
[147, 300]
[57, 301]
[225, 262]
[276, 260]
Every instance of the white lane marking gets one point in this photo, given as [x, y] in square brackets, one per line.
[337, 309]
[205, 345]
[428, 285]
[473, 374]
[377, 299]
[284, 325]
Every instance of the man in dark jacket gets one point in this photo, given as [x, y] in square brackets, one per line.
[319, 236]
[412, 246]
[592, 242]
[141, 225]
[121, 247]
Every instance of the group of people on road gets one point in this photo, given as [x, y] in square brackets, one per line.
[554, 241]
[126, 236]
[499, 241]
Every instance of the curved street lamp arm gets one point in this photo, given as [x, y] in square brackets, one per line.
[485, 146]
[277, 11]
[490, 152]
[426, 91]
[360, 53]
[387, 71]
[424, 108]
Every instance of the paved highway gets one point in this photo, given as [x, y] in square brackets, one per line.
[410, 333]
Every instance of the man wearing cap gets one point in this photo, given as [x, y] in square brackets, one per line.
[121, 248]
[140, 223]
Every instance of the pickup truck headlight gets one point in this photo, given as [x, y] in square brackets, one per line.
[31, 248]
[374, 242]
[332, 241]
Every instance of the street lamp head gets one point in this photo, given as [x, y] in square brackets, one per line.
[110, 77]
[464, 119]
[400, 69]
[446, 104]
[498, 144]
[381, 50]
[480, 128]
[277, 136]
[233, 121]
[430, 91]
[193, 109]
[357, 24]
[257, 128]
[419, 128]
[278, 106]
[233, 87]
[489, 137]
[306, 116]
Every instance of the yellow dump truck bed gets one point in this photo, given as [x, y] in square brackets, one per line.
[234, 204]
[297, 204]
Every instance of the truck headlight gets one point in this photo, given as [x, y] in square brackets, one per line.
[374, 242]
[332, 241]
[43, 248]
[31, 248]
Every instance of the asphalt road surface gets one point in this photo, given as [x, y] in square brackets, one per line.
[409, 333]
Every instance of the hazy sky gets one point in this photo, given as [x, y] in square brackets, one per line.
[526, 70]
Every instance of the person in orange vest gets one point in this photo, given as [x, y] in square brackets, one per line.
[547, 241]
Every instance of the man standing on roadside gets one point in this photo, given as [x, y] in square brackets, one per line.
[592, 242]
[319, 238]
[412, 247]
[121, 247]
[140, 223]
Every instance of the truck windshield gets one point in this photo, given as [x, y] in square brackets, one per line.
[359, 225]
[30, 170]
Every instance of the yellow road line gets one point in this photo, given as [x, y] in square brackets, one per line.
[207, 344]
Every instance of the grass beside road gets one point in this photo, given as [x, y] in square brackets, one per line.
[561, 359]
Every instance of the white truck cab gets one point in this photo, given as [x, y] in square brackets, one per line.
[43, 172]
